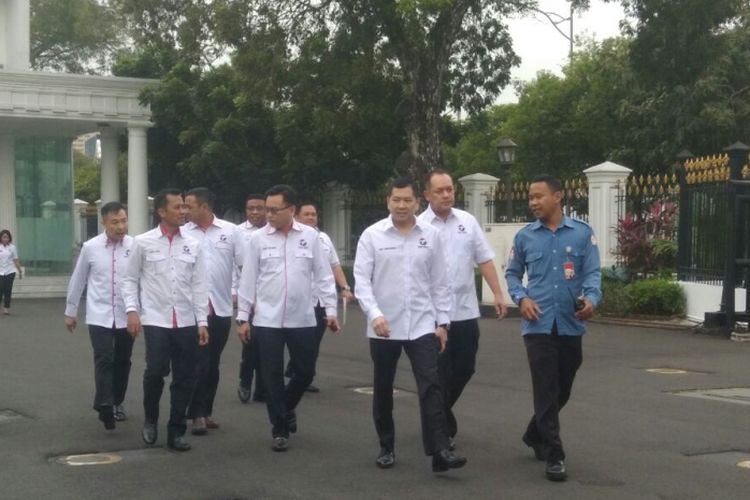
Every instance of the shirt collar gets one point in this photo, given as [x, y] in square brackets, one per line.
[566, 221]
[164, 231]
[296, 226]
[110, 242]
[389, 223]
[431, 215]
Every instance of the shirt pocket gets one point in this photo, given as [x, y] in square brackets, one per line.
[533, 263]
[303, 253]
[156, 263]
[269, 253]
[185, 262]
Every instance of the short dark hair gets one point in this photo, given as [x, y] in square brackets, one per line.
[552, 182]
[286, 191]
[160, 200]
[255, 196]
[433, 173]
[203, 195]
[403, 182]
[304, 203]
[112, 208]
[10, 236]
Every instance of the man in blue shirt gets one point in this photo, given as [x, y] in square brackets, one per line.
[561, 259]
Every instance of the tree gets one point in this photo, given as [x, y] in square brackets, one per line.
[443, 52]
[75, 36]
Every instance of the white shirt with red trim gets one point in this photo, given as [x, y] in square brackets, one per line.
[279, 275]
[222, 245]
[100, 268]
[165, 280]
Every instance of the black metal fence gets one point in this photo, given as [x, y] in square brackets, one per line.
[509, 203]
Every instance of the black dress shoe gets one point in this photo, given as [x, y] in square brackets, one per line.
[280, 443]
[291, 422]
[120, 415]
[537, 447]
[178, 443]
[446, 459]
[107, 416]
[555, 471]
[149, 433]
[312, 388]
[243, 393]
[386, 459]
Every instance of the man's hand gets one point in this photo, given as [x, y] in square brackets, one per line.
[587, 311]
[70, 323]
[202, 335]
[333, 323]
[530, 310]
[243, 332]
[134, 324]
[347, 295]
[442, 335]
[381, 327]
[500, 308]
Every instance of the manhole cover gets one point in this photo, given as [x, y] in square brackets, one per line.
[739, 395]
[9, 416]
[667, 371]
[369, 390]
[89, 459]
[729, 457]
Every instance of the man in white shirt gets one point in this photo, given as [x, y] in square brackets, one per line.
[465, 247]
[255, 212]
[284, 264]
[221, 245]
[401, 284]
[166, 290]
[99, 269]
[307, 214]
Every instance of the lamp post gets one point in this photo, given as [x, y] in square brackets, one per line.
[506, 153]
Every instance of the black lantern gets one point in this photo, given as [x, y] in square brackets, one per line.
[506, 153]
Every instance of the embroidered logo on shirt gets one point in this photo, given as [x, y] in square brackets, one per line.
[186, 250]
[461, 228]
[127, 253]
[422, 242]
[302, 243]
[223, 238]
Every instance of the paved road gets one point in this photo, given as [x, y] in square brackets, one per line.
[626, 434]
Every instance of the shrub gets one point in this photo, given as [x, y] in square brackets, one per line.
[658, 297]
[614, 300]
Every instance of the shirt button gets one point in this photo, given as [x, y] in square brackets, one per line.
[554, 268]
[555, 286]
[554, 251]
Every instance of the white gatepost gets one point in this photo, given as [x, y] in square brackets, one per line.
[477, 190]
[79, 225]
[337, 216]
[607, 181]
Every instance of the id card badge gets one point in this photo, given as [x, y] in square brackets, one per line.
[569, 270]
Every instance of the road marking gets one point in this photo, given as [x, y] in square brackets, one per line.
[90, 459]
[738, 395]
[667, 371]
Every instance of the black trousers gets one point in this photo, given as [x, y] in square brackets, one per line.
[6, 288]
[207, 369]
[456, 365]
[177, 347]
[320, 330]
[250, 364]
[423, 355]
[281, 401]
[112, 349]
[553, 361]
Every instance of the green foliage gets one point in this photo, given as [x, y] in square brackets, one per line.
[655, 297]
[75, 36]
[86, 177]
[614, 299]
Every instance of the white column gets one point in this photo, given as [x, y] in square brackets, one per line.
[8, 183]
[14, 34]
[477, 190]
[337, 216]
[110, 178]
[137, 180]
[605, 180]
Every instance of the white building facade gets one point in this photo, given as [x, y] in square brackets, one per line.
[40, 115]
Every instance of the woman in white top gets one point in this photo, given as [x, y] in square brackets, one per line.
[9, 263]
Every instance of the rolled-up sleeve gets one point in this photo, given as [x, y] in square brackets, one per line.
[514, 271]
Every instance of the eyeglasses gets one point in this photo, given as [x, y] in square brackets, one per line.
[274, 210]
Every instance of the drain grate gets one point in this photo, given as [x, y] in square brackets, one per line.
[10, 416]
[738, 395]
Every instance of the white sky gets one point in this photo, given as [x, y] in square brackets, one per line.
[541, 47]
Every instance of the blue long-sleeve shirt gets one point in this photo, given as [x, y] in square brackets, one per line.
[543, 255]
